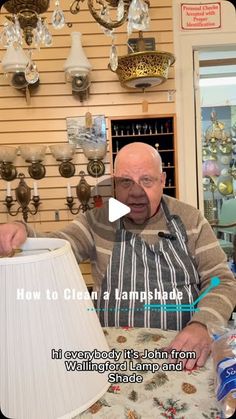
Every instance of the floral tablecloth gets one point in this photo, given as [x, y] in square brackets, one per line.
[162, 394]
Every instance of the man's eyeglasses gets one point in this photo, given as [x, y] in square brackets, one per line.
[144, 181]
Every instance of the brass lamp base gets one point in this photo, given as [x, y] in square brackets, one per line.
[23, 198]
[96, 168]
[8, 172]
[67, 169]
[37, 170]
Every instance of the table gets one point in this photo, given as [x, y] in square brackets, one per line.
[162, 394]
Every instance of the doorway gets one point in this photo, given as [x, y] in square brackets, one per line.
[215, 104]
[188, 132]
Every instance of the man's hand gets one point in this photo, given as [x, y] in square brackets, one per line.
[12, 235]
[193, 337]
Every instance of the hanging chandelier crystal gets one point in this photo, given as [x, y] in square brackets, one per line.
[111, 14]
[25, 22]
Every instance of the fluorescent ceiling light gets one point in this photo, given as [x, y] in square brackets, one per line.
[217, 81]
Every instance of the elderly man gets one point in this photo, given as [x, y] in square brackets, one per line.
[164, 251]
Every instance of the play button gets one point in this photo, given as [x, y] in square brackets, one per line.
[116, 210]
[111, 210]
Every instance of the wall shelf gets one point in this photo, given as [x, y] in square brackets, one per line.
[156, 130]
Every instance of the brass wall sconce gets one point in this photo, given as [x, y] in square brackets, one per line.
[34, 154]
[20, 70]
[24, 23]
[83, 192]
[7, 169]
[23, 198]
[64, 153]
[95, 152]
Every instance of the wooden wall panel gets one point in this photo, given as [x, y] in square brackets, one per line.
[44, 120]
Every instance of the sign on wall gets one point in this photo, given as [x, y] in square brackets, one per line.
[200, 16]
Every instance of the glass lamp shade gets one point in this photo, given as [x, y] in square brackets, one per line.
[40, 322]
[33, 153]
[94, 151]
[14, 60]
[77, 63]
[7, 154]
[63, 152]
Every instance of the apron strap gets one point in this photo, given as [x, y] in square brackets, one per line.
[174, 223]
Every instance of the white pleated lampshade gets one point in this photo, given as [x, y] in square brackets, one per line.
[36, 317]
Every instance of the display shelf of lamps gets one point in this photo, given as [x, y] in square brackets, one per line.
[8, 171]
[23, 198]
[34, 154]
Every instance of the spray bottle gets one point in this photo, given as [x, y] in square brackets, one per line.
[224, 359]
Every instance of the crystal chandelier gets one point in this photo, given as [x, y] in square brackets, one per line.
[26, 24]
[111, 14]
